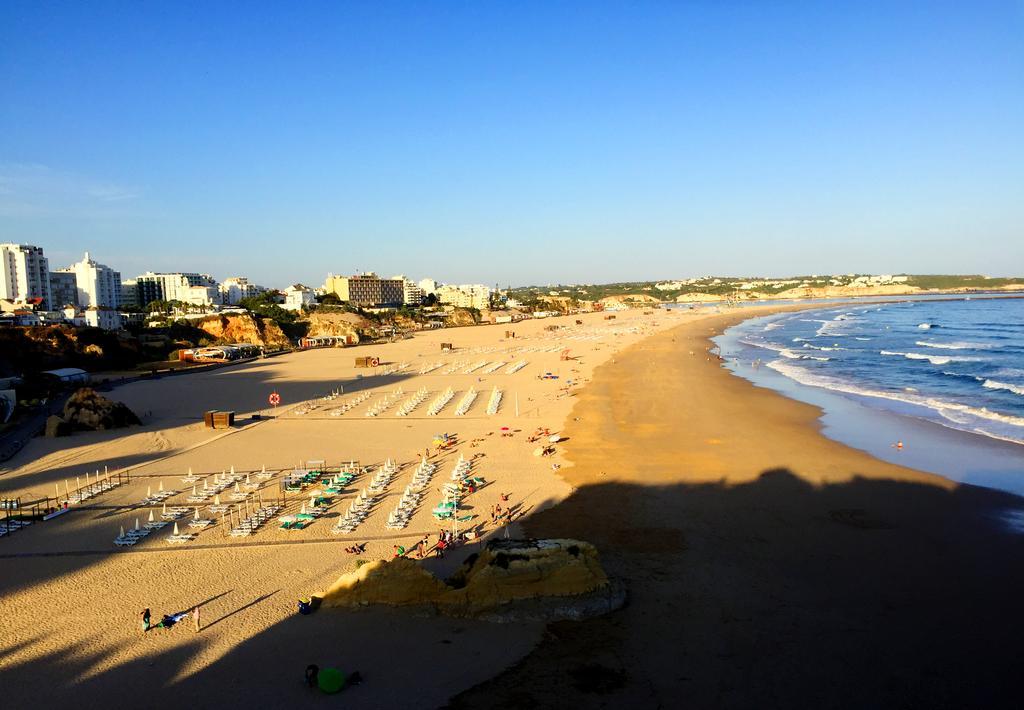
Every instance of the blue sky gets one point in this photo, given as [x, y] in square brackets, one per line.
[515, 142]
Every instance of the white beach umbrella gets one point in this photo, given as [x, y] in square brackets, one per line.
[161, 484]
[87, 478]
[151, 515]
[196, 515]
[193, 490]
[303, 507]
[232, 471]
[136, 523]
[247, 478]
[216, 499]
[237, 489]
[205, 487]
[149, 491]
[122, 531]
[176, 528]
[190, 470]
[165, 509]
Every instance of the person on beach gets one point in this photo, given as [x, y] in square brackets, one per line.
[399, 551]
[439, 549]
[145, 619]
[195, 619]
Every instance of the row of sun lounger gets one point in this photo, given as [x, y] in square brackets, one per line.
[381, 405]
[466, 403]
[442, 399]
[494, 402]
[354, 402]
[410, 404]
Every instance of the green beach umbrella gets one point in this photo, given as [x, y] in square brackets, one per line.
[330, 680]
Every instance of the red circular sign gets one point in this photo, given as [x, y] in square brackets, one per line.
[274, 399]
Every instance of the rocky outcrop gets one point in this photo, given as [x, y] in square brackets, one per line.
[505, 572]
[461, 316]
[86, 410]
[347, 325]
[699, 298]
[244, 328]
[628, 298]
[843, 291]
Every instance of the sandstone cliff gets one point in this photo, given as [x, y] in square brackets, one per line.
[244, 328]
[337, 324]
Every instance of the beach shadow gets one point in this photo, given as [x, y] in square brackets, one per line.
[242, 608]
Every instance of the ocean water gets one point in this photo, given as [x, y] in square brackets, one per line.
[948, 372]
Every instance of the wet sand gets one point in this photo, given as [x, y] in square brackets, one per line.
[767, 565]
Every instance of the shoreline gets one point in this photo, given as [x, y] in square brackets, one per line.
[767, 564]
[865, 423]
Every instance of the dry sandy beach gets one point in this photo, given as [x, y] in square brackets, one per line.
[768, 566]
[71, 601]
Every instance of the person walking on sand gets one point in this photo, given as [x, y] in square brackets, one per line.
[145, 619]
[195, 618]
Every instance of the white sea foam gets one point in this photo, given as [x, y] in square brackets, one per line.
[956, 413]
[994, 385]
[956, 345]
[924, 326]
[933, 359]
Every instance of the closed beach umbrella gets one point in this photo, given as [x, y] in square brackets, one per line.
[176, 529]
[196, 515]
[190, 470]
[216, 499]
[149, 491]
[165, 509]
[122, 531]
[330, 680]
[136, 523]
[161, 484]
[151, 515]
[193, 490]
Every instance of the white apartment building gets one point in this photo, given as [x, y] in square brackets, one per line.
[235, 288]
[465, 296]
[428, 286]
[103, 318]
[97, 285]
[297, 297]
[24, 274]
[412, 294]
[191, 288]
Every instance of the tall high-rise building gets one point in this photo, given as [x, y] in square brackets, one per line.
[63, 289]
[130, 294]
[196, 289]
[366, 289]
[24, 274]
[98, 285]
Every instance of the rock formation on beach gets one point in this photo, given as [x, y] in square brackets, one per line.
[491, 584]
[244, 328]
[337, 324]
[87, 410]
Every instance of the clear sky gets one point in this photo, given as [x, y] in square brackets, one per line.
[515, 142]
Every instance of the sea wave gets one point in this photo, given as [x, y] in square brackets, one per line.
[956, 345]
[954, 412]
[995, 385]
[933, 359]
